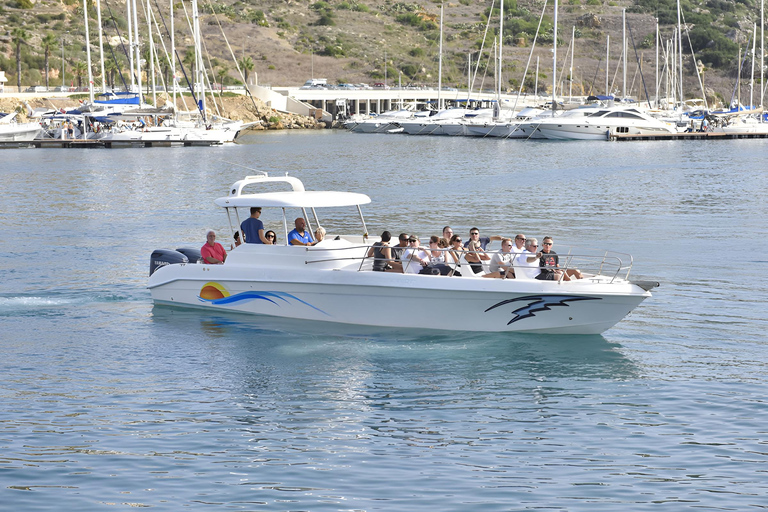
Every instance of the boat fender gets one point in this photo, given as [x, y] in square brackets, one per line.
[163, 257]
[193, 255]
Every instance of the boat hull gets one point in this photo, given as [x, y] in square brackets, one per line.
[402, 300]
[19, 132]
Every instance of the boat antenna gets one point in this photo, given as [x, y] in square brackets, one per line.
[246, 167]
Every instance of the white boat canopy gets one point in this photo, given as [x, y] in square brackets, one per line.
[296, 198]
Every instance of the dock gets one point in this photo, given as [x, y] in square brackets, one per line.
[98, 144]
[689, 136]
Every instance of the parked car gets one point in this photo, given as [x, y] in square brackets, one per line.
[36, 88]
[61, 88]
[380, 85]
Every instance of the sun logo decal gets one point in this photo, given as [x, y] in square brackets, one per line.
[213, 291]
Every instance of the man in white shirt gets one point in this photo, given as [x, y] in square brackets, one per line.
[414, 258]
[527, 262]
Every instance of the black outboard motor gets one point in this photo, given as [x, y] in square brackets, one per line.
[163, 257]
[193, 255]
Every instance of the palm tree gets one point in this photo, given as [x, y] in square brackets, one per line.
[222, 74]
[48, 42]
[110, 68]
[19, 35]
[80, 70]
[246, 64]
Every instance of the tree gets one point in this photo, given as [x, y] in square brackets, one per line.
[221, 74]
[19, 35]
[80, 69]
[48, 42]
[246, 64]
[110, 68]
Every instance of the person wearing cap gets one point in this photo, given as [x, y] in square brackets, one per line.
[253, 229]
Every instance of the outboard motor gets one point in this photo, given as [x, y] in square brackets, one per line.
[163, 257]
[193, 255]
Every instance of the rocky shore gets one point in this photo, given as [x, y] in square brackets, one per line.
[237, 108]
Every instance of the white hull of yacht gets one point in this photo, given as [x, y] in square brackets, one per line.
[19, 132]
[293, 282]
[601, 132]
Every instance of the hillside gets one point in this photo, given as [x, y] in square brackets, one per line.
[289, 41]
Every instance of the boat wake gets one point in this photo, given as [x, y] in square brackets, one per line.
[50, 305]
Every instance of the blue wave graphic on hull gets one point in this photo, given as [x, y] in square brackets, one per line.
[272, 297]
[538, 303]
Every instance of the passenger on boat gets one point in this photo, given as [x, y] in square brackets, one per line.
[437, 257]
[397, 251]
[549, 263]
[252, 228]
[271, 237]
[300, 236]
[474, 235]
[527, 262]
[455, 254]
[381, 253]
[236, 237]
[476, 255]
[447, 232]
[414, 258]
[319, 234]
[502, 261]
[213, 252]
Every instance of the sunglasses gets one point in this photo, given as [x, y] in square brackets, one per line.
[547, 243]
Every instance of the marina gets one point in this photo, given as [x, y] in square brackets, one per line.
[109, 401]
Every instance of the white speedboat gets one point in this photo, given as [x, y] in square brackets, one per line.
[600, 123]
[333, 281]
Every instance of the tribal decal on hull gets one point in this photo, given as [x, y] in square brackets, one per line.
[536, 303]
[217, 295]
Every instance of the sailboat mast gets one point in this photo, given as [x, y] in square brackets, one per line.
[501, 45]
[607, 63]
[138, 47]
[657, 63]
[752, 79]
[101, 47]
[151, 52]
[173, 59]
[624, 53]
[88, 51]
[440, 65]
[554, 60]
[573, 50]
[130, 43]
[199, 72]
[680, 49]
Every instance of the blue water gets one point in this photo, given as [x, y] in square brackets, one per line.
[109, 403]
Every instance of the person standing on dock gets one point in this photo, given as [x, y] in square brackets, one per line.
[253, 229]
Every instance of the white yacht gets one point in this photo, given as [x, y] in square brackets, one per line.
[333, 281]
[600, 123]
[11, 131]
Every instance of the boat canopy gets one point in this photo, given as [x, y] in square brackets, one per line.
[311, 199]
[295, 198]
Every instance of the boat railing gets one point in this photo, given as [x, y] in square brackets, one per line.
[592, 263]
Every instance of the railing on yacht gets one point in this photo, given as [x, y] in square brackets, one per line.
[599, 264]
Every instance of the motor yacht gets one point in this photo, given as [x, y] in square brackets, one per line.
[601, 123]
